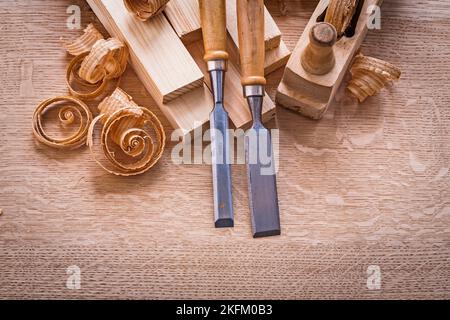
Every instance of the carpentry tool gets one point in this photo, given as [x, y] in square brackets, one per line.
[261, 179]
[320, 60]
[184, 16]
[213, 18]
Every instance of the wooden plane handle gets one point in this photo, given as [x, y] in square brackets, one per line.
[214, 29]
[250, 16]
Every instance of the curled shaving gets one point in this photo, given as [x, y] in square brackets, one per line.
[85, 42]
[370, 75]
[67, 115]
[145, 9]
[340, 14]
[107, 60]
[126, 141]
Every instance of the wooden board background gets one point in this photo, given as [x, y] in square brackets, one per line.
[367, 185]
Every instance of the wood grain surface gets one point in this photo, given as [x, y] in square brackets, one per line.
[368, 185]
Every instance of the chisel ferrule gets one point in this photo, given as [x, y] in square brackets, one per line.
[254, 91]
[217, 65]
[217, 77]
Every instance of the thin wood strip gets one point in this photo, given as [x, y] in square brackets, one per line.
[272, 34]
[276, 58]
[184, 16]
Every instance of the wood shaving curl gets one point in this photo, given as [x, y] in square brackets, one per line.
[107, 59]
[84, 43]
[94, 89]
[340, 14]
[97, 61]
[132, 138]
[145, 9]
[370, 75]
[68, 113]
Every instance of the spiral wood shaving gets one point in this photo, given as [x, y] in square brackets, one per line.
[70, 109]
[126, 137]
[97, 62]
[145, 9]
[340, 14]
[132, 138]
[84, 43]
[370, 75]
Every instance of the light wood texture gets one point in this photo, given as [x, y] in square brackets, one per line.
[162, 63]
[184, 15]
[311, 94]
[234, 102]
[155, 47]
[214, 29]
[366, 185]
[250, 18]
[272, 34]
[276, 58]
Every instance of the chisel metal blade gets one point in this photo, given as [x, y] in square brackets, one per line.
[220, 160]
[214, 31]
[262, 184]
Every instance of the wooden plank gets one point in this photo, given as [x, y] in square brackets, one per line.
[277, 53]
[190, 110]
[272, 36]
[234, 102]
[185, 18]
[309, 94]
[184, 15]
[162, 63]
[187, 112]
[274, 59]
[155, 47]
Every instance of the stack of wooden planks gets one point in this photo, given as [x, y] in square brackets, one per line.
[167, 55]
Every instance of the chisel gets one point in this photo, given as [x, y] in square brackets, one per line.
[213, 18]
[259, 154]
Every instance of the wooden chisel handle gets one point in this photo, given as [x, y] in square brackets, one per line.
[250, 16]
[214, 29]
